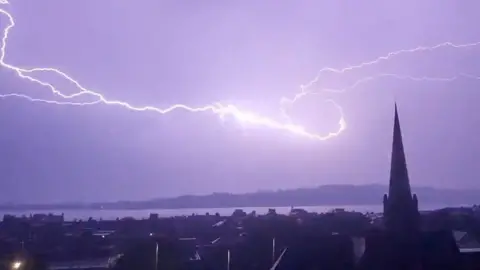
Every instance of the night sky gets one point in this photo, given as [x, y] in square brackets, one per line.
[247, 53]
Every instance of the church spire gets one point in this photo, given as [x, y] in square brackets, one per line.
[400, 207]
[399, 183]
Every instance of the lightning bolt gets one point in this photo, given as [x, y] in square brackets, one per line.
[222, 110]
[305, 88]
[216, 108]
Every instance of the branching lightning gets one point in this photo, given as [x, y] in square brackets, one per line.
[219, 109]
[216, 108]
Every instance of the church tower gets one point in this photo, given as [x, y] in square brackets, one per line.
[399, 206]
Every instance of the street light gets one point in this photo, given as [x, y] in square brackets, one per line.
[16, 265]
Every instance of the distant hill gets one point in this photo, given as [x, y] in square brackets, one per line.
[322, 195]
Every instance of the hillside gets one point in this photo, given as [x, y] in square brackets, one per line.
[322, 195]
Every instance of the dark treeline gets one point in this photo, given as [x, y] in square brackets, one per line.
[323, 195]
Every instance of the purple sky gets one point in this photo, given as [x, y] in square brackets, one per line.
[248, 53]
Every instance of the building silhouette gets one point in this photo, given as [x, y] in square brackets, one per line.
[401, 243]
[400, 208]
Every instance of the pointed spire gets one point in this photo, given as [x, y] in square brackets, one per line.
[399, 183]
[400, 208]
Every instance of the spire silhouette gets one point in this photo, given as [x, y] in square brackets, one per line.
[400, 207]
[399, 187]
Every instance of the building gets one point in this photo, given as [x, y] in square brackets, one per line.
[400, 208]
[401, 244]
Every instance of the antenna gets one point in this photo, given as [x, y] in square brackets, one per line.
[277, 262]
[273, 250]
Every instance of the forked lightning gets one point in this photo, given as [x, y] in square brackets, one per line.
[222, 110]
